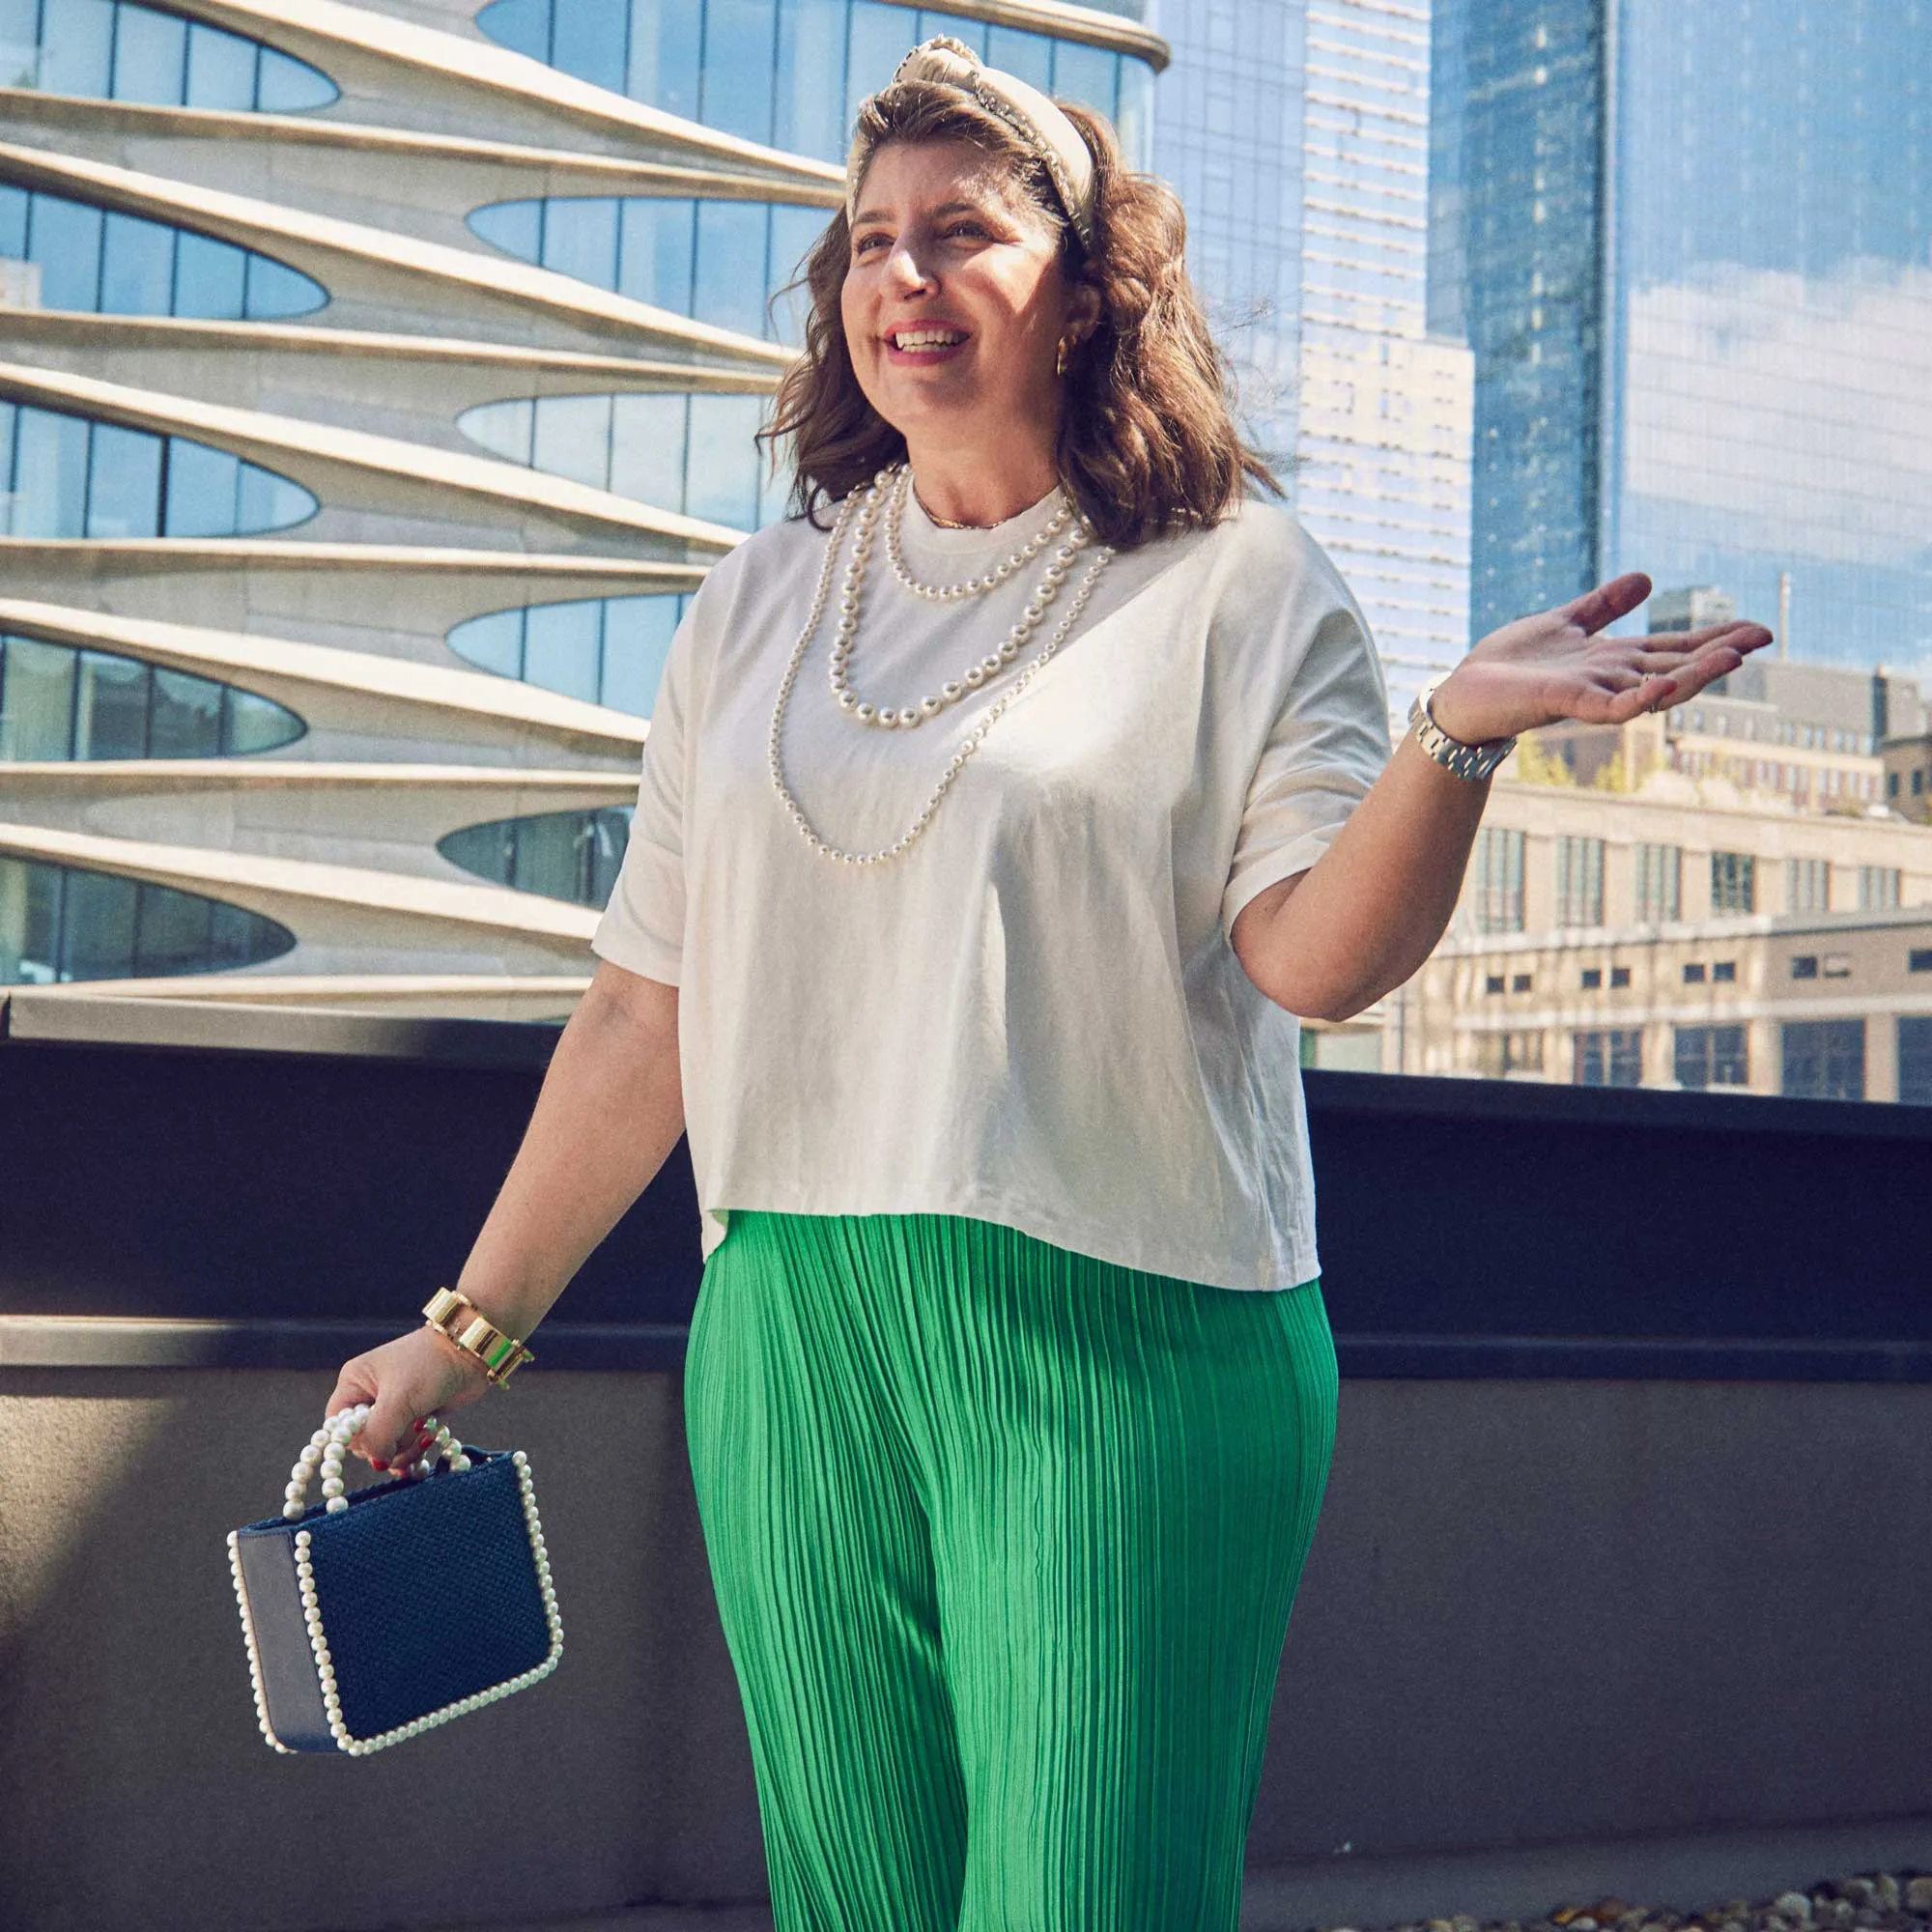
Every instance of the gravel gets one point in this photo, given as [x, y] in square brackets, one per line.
[1866, 1902]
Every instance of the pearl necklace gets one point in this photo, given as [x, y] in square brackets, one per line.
[967, 747]
[908, 716]
[970, 586]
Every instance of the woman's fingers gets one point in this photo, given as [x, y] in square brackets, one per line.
[1607, 602]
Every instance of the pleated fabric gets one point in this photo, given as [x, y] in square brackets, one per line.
[1004, 1540]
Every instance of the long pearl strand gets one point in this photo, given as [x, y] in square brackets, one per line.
[970, 586]
[905, 718]
[971, 743]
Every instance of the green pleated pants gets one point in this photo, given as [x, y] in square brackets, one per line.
[1004, 1541]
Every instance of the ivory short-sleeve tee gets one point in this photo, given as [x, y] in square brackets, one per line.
[1032, 1016]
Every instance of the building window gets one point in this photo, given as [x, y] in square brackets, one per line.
[1520, 982]
[1808, 885]
[70, 476]
[1878, 887]
[1733, 882]
[710, 260]
[791, 77]
[116, 51]
[1498, 902]
[1502, 1053]
[1711, 1056]
[1838, 966]
[1593, 979]
[606, 651]
[1920, 959]
[1579, 881]
[77, 256]
[1609, 1056]
[1915, 1061]
[561, 855]
[60, 924]
[1725, 972]
[1824, 1060]
[1917, 783]
[1805, 966]
[1620, 976]
[1660, 870]
[1892, 783]
[1693, 975]
[60, 702]
[1497, 984]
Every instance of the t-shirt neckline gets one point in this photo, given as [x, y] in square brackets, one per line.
[922, 534]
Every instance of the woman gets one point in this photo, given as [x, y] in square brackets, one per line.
[963, 921]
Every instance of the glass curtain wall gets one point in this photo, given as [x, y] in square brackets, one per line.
[1692, 247]
[62, 702]
[61, 922]
[790, 73]
[563, 855]
[1226, 138]
[108, 50]
[72, 255]
[606, 651]
[1383, 476]
[65, 475]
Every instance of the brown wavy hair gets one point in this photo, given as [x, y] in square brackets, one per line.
[1148, 442]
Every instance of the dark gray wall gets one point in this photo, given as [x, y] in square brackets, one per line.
[1536, 1611]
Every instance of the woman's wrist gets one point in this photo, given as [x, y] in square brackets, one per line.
[498, 1352]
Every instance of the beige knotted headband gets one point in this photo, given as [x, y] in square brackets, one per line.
[1031, 114]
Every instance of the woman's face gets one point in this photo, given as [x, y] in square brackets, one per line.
[955, 301]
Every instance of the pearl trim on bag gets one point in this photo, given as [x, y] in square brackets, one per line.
[325, 1664]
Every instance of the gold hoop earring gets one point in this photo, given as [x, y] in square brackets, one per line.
[1060, 358]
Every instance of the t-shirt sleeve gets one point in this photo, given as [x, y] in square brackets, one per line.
[642, 926]
[1327, 745]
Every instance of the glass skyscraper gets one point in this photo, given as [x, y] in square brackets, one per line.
[1296, 132]
[1690, 248]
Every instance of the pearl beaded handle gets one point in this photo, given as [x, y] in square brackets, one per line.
[327, 1445]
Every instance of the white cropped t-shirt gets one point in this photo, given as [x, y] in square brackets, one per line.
[1033, 1017]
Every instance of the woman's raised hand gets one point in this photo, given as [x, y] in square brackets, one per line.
[419, 1374]
[1543, 670]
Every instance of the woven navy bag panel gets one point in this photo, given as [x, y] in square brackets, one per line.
[430, 1598]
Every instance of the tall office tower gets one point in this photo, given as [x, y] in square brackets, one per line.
[1227, 139]
[376, 383]
[1689, 247]
[1298, 133]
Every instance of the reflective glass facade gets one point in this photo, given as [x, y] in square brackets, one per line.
[58, 701]
[72, 255]
[714, 260]
[1383, 475]
[790, 73]
[1295, 132]
[1710, 229]
[70, 476]
[561, 855]
[606, 651]
[62, 923]
[108, 50]
[1227, 137]
[690, 453]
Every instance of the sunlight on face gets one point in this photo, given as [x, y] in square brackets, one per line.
[955, 301]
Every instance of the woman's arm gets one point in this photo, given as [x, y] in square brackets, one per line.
[611, 1109]
[1333, 940]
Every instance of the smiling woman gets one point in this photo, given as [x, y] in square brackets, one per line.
[970, 894]
[1110, 336]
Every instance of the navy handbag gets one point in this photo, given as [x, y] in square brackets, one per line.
[373, 1617]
